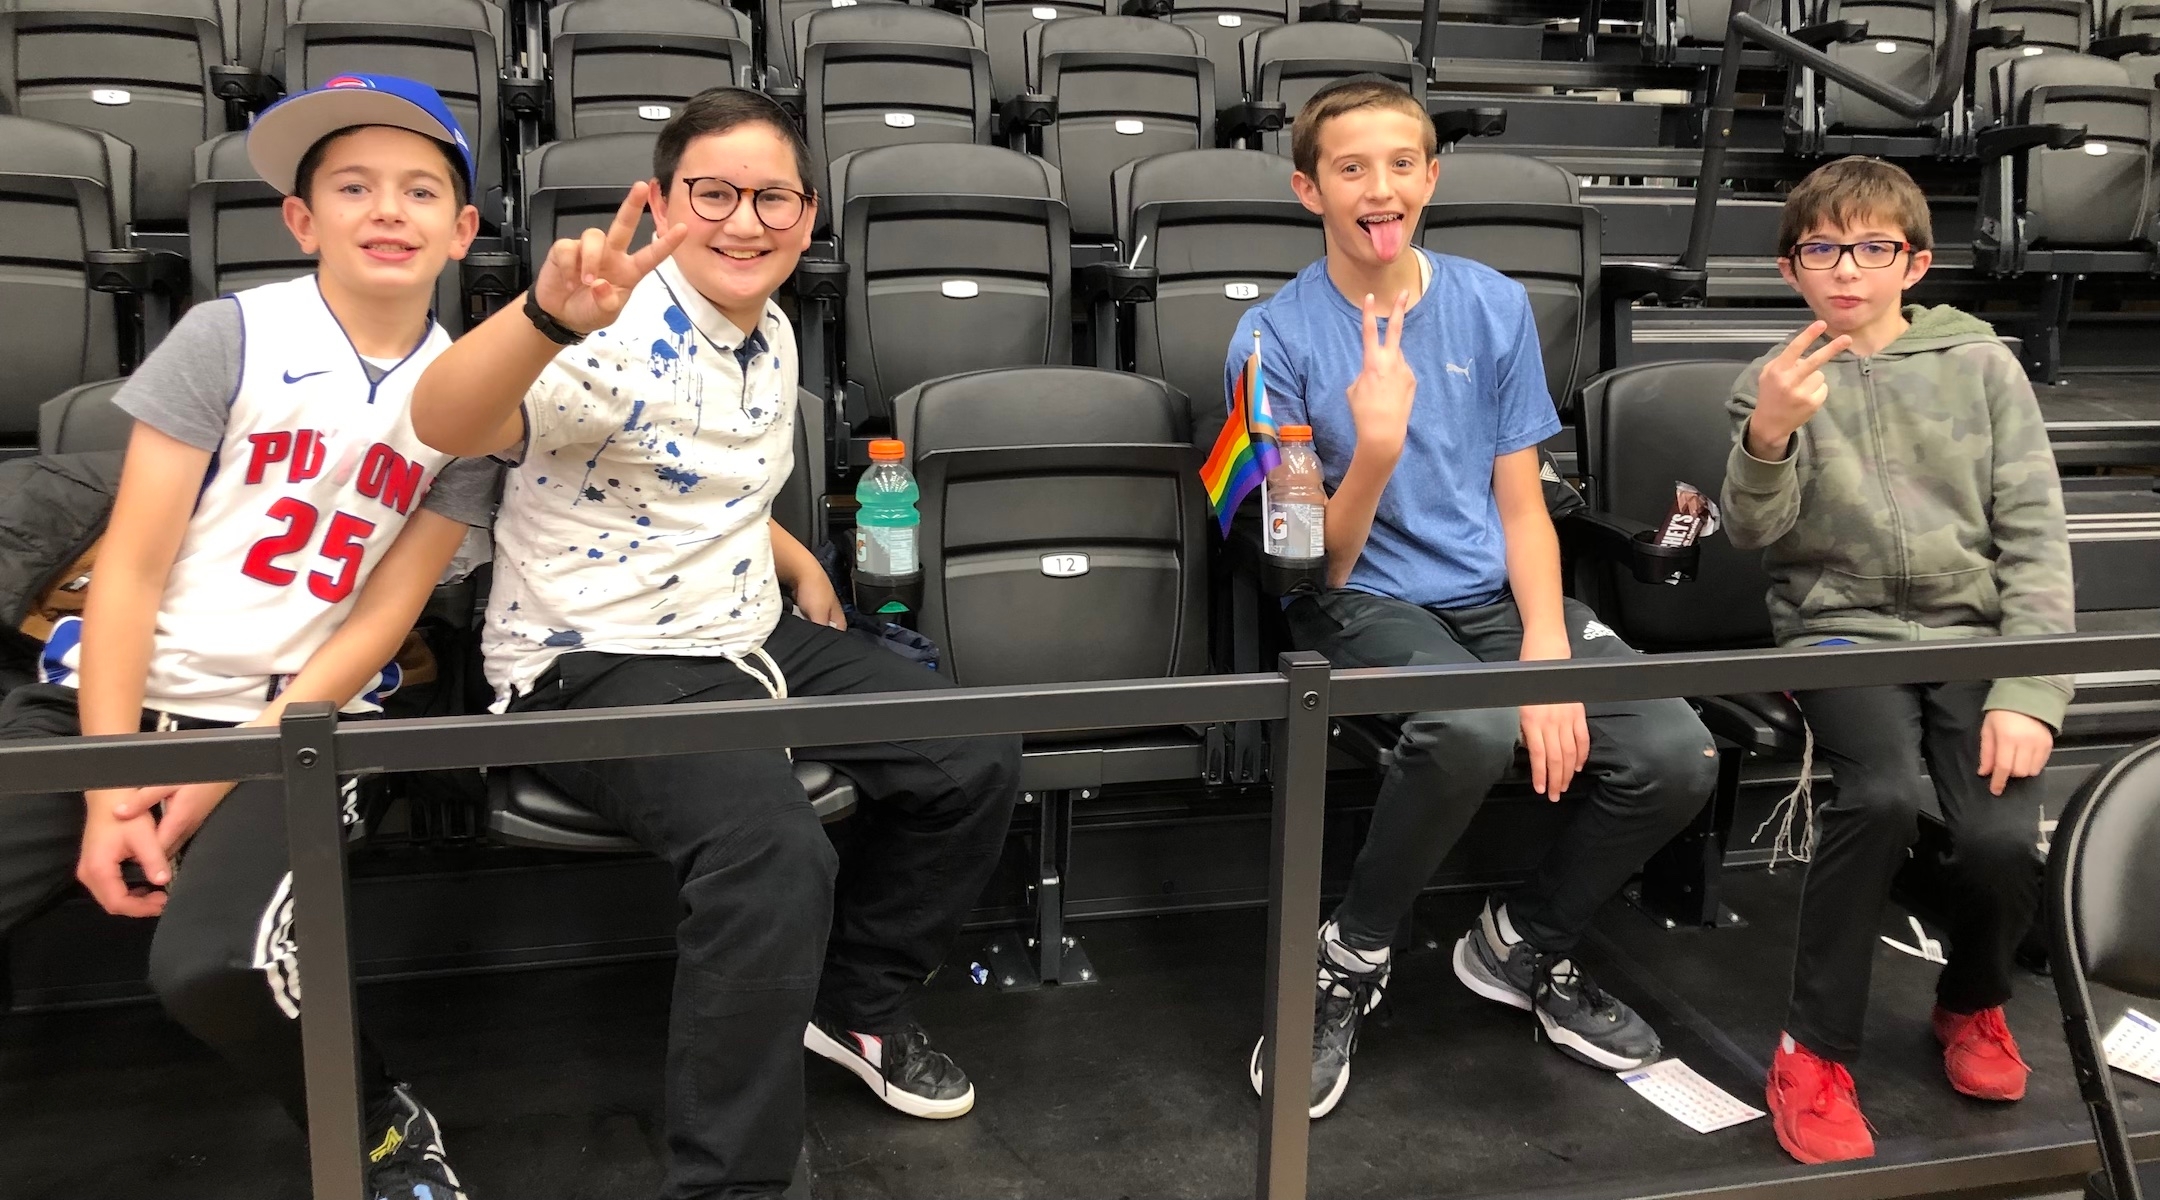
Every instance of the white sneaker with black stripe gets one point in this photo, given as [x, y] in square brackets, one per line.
[901, 1068]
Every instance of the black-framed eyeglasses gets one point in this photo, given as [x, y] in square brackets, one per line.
[1868, 256]
[776, 208]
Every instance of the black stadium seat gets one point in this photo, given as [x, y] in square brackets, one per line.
[627, 65]
[1005, 27]
[1288, 63]
[62, 196]
[1223, 232]
[778, 22]
[1126, 88]
[1898, 49]
[890, 75]
[1222, 24]
[137, 69]
[1525, 218]
[453, 46]
[959, 258]
[84, 418]
[579, 184]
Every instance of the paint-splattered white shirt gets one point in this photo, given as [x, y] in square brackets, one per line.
[635, 522]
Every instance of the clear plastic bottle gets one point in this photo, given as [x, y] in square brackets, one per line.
[1297, 500]
[887, 562]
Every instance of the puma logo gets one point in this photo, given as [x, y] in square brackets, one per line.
[1454, 369]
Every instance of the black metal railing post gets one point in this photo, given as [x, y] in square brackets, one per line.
[1301, 748]
[329, 1031]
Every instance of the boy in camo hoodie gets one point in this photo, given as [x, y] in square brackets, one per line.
[1900, 482]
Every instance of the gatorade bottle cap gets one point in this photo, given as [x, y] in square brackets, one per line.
[887, 450]
[1297, 433]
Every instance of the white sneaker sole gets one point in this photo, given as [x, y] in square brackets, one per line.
[818, 1042]
[1327, 1103]
[1566, 1041]
[1466, 970]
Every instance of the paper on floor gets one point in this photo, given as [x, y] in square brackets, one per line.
[2134, 1045]
[1689, 1098]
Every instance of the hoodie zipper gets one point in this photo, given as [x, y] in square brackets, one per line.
[1902, 585]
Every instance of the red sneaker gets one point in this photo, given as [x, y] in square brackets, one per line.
[1980, 1055]
[1814, 1107]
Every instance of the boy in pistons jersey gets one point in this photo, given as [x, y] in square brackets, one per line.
[277, 530]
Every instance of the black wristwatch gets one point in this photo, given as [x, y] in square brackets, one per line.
[550, 328]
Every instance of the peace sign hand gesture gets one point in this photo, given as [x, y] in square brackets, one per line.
[1380, 396]
[1790, 390]
[586, 280]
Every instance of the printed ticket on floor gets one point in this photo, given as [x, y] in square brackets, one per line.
[2134, 1045]
[1687, 1097]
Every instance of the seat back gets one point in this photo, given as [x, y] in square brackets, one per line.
[1899, 50]
[2047, 26]
[2109, 840]
[1222, 24]
[889, 75]
[779, 24]
[578, 185]
[1005, 27]
[2096, 196]
[237, 237]
[959, 259]
[453, 46]
[1223, 232]
[1126, 88]
[1524, 218]
[1290, 62]
[1063, 529]
[627, 65]
[2129, 18]
[84, 418]
[1643, 428]
[136, 69]
[799, 505]
[57, 204]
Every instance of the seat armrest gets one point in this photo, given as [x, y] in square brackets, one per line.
[821, 279]
[1669, 283]
[789, 98]
[133, 271]
[244, 86]
[524, 95]
[1831, 33]
[1998, 37]
[1026, 111]
[1115, 282]
[1455, 124]
[1246, 118]
[491, 273]
[1625, 542]
[2005, 140]
[2123, 45]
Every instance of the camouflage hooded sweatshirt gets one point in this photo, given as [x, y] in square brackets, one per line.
[1920, 502]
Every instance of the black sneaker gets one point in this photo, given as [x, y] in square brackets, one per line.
[1344, 996]
[405, 1158]
[900, 1067]
[1582, 1020]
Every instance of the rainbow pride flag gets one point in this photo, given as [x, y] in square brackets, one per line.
[1248, 447]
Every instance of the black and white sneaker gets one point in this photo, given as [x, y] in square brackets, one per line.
[405, 1158]
[1580, 1018]
[1350, 984]
[900, 1067]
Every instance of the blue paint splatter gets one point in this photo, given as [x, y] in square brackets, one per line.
[663, 357]
[741, 567]
[683, 480]
[593, 493]
[513, 606]
[543, 479]
[625, 558]
[614, 483]
[665, 619]
[603, 537]
[670, 449]
[677, 319]
[633, 545]
[592, 362]
[672, 580]
[592, 554]
[644, 520]
[637, 409]
[564, 637]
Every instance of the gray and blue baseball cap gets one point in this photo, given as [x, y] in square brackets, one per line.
[283, 133]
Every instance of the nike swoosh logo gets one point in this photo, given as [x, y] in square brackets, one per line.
[292, 378]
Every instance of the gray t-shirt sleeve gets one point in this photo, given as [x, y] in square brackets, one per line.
[466, 490]
[185, 388]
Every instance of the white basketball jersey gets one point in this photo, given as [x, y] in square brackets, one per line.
[317, 473]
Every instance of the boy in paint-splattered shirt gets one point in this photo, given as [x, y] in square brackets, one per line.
[648, 401]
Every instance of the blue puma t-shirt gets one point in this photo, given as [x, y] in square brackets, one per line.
[1473, 345]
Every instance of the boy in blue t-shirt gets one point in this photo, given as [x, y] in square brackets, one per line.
[1421, 377]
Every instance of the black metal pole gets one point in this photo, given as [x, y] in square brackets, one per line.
[1293, 916]
[329, 1032]
[1428, 33]
[1716, 134]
